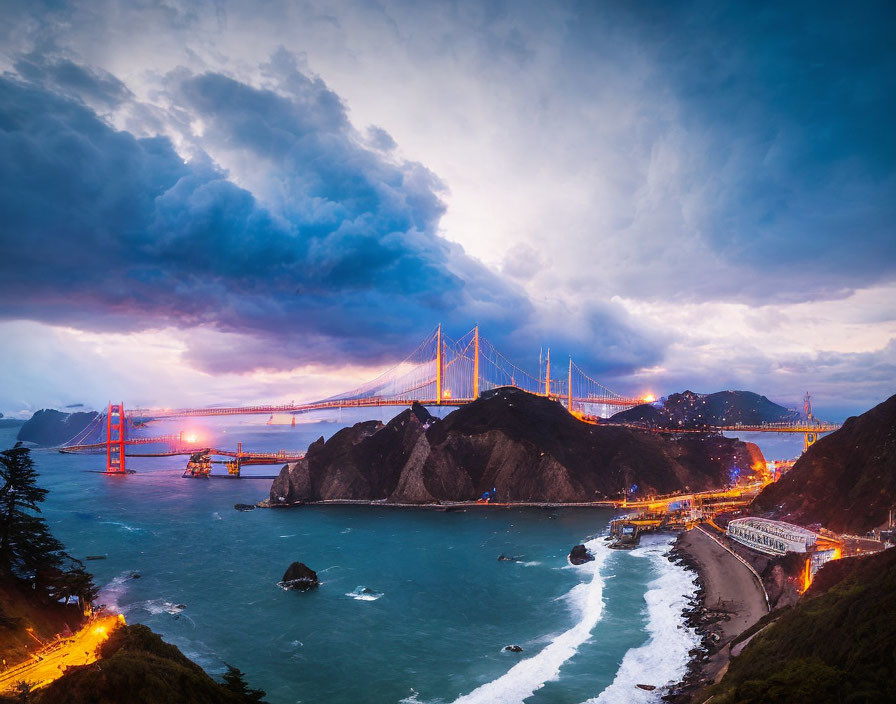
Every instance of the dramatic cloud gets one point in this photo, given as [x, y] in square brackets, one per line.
[686, 194]
[343, 261]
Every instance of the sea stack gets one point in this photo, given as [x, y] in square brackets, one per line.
[579, 555]
[300, 577]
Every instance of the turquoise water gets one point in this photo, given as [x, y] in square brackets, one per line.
[442, 606]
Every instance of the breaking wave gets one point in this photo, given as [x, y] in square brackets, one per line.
[663, 659]
[529, 675]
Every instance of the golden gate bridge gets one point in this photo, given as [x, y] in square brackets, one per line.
[439, 372]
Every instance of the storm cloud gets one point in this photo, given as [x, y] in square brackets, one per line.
[342, 261]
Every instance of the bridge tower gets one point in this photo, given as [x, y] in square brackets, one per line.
[115, 439]
[810, 437]
[475, 362]
[569, 388]
[439, 365]
[547, 375]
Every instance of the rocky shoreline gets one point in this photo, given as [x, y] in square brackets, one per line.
[703, 621]
[716, 616]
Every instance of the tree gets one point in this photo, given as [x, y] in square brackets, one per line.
[28, 549]
[235, 681]
[26, 544]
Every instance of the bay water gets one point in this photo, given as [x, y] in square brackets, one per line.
[414, 605]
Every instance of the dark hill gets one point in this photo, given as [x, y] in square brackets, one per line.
[846, 481]
[137, 666]
[836, 645]
[49, 428]
[693, 410]
[527, 447]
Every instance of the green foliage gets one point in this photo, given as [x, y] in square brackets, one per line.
[235, 681]
[837, 647]
[26, 543]
[28, 549]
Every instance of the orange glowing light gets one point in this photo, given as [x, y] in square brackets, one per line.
[649, 398]
[446, 393]
[191, 437]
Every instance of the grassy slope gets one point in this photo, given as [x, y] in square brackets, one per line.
[835, 646]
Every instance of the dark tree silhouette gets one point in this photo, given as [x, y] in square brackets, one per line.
[28, 549]
[235, 681]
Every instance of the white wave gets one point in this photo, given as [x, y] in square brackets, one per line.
[531, 563]
[663, 659]
[217, 516]
[130, 529]
[111, 593]
[362, 593]
[414, 698]
[529, 675]
[160, 606]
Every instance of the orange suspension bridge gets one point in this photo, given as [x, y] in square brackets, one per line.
[440, 372]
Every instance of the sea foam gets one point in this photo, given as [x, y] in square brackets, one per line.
[529, 675]
[663, 659]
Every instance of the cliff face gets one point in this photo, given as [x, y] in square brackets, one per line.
[693, 410]
[49, 428]
[846, 481]
[527, 447]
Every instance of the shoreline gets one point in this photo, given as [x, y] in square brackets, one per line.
[729, 600]
[443, 505]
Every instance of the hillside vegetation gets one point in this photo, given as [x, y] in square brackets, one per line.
[838, 645]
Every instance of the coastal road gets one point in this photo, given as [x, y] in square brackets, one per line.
[49, 664]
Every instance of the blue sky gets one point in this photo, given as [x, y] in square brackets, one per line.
[233, 202]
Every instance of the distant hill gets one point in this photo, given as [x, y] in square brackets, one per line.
[836, 645]
[49, 428]
[691, 410]
[846, 481]
[527, 447]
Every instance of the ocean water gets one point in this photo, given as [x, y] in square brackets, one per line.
[414, 605]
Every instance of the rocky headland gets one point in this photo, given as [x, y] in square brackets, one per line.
[49, 428]
[527, 448]
[690, 410]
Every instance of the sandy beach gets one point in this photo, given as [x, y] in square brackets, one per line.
[733, 600]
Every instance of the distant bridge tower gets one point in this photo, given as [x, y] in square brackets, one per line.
[115, 439]
[547, 375]
[810, 437]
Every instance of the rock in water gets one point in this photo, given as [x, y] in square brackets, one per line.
[299, 576]
[513, 648]
[648, 687]
[506, 558]
[244, 507]
[579, 555]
